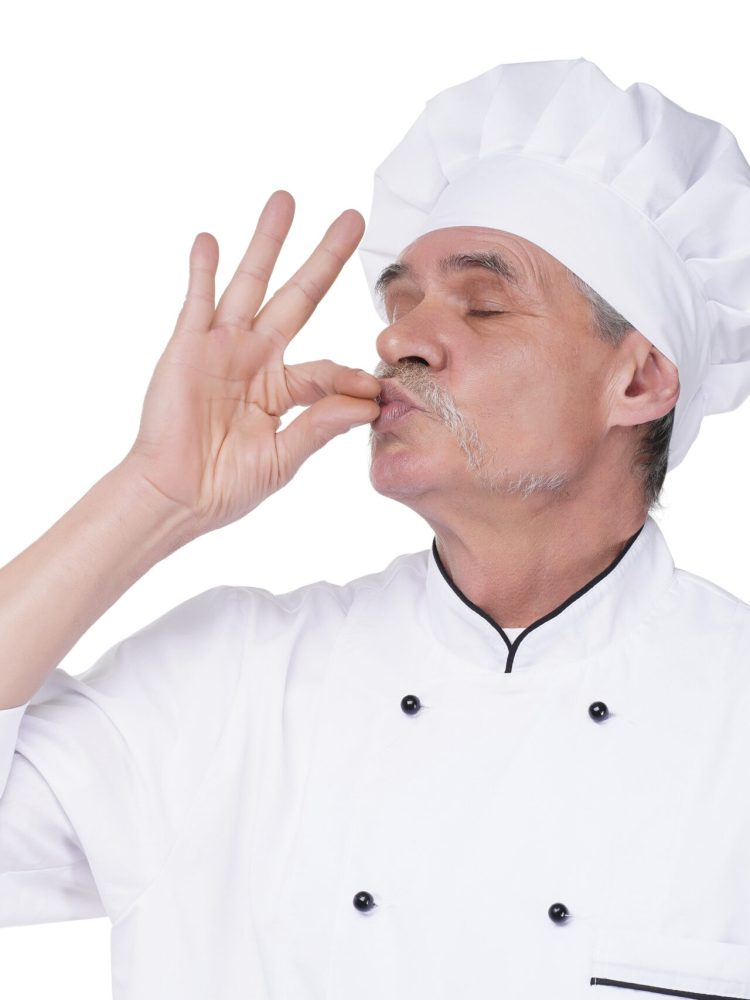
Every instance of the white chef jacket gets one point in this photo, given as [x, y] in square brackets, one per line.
[365, 790]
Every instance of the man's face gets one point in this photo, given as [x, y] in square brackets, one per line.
[513, 380]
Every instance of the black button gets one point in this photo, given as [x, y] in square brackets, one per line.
[558, 912]
[410, 704]
[598, 711]
[363, 901]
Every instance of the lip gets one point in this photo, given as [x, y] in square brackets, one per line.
[392, 392]
[395, 404]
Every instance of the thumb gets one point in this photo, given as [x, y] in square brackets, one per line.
[317, 425]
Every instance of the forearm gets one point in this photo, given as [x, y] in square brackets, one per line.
[53, 591]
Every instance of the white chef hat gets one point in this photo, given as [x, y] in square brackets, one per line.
[647, 202]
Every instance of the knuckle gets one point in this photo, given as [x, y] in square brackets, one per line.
[321, 434]
[340, 260]
[271, 236]
[200, 296]
[273, 333]
[227, 326]
[309, 289]
[255, 272]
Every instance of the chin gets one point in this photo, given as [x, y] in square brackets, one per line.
[399, 473]
[404, 472]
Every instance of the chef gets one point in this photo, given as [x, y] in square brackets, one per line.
[514, 765]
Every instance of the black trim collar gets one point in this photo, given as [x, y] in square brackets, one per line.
[513, 646]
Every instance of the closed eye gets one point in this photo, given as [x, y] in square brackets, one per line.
[485, 312]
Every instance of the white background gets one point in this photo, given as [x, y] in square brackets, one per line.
[127, 129]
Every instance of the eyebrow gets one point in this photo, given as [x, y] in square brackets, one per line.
[490, 260]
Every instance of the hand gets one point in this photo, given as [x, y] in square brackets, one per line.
[209, 436]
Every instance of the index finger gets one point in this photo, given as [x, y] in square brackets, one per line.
[291, 306]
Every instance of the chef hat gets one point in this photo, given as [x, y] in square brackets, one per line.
[646, 202]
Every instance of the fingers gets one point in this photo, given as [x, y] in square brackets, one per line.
[312, 380]
[292, 305]
[198, 308]
[245, 292]
[317, 425]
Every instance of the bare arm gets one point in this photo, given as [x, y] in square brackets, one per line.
[55, 590]
[208, 450]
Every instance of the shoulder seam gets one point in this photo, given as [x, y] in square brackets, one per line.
[364, 582]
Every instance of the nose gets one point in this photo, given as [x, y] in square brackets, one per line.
[415, 337]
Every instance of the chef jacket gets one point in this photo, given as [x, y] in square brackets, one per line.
[369, 791]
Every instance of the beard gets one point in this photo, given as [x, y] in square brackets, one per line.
[480, 461]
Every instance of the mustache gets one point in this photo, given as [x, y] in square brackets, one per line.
[417, 378]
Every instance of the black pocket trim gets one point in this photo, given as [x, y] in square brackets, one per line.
[595, 981]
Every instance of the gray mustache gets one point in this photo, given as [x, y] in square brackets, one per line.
[415, 378]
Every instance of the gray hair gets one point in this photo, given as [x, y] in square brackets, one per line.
[652, 453]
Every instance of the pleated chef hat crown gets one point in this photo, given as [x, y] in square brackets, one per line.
[646, 202]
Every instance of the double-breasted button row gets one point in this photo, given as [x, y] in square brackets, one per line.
[410, 705]
[364, 902]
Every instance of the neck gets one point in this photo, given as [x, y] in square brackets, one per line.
[519, 568]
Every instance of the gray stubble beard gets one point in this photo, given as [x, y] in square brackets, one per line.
[417, 379]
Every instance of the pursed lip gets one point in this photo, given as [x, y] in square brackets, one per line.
[392, 392]
[395, 403]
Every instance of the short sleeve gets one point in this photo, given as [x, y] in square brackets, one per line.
[101, 768]
[44, 874]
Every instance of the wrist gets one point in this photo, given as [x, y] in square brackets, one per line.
[166, 522]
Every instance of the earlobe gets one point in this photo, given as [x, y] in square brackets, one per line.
[652, 390]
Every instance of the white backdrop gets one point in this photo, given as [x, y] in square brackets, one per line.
[128, 129]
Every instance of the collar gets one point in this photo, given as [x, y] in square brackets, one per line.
[613, 603]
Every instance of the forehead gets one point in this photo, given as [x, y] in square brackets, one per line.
[469, 251]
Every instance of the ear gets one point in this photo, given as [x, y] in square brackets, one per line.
[645, 383]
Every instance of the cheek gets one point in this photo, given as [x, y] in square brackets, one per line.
[543, 406]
